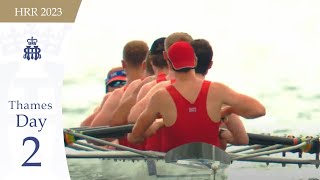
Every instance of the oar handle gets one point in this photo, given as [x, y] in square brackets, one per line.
[97, 132]
[109, 132]
[271, 140]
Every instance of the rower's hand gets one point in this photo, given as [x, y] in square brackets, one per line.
[156, 125]
[134, 140]
[116, 141]
[225, 112]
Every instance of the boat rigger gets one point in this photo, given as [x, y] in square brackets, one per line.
[194, 155]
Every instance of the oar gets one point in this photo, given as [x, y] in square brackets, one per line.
[116, 131]
[97, 132]
[119, 131]
[144, 153]
[78, 129]
[272, 140]
[312, 144]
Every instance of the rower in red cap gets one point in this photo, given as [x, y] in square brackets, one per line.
[191, 107]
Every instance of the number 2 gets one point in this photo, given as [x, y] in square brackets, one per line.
[36, 142]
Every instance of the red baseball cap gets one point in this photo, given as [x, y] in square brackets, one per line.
[181, 55]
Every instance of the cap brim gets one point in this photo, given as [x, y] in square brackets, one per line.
[117, 78]
[182, 66]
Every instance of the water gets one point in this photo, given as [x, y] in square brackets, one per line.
[110, 170]
[268, 50]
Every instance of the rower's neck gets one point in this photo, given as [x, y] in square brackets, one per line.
[158, 71]
[134, 75]
[200, 76]
[185, 76]
[171, 74]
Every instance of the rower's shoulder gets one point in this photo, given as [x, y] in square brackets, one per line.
[162, 84]
[217, 85]
[146, 87]
[161, 94]
[145, 80]
[218, 89]
[143, 91]
[157, 87]
[148, 79]
[116, 92]
[134, 84]
[149, 85]
[106, 96]
[116, 95]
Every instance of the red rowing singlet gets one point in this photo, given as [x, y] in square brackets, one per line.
[124, 142]
[154, 141]
[193, 123]
[161, 77]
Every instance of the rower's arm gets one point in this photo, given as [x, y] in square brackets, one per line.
[144, 91]
[240, 104]
[141, 105]
[121, 113]
[104, 116]
[87, 122]
[145, 120]
[90, 118]
[156, 125]
[105, 98]
[137, 109]
[144, 88]
[239, 135]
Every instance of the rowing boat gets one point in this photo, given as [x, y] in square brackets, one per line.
[189, 161]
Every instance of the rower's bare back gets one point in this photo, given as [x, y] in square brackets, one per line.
[189, 90]
[218, 95]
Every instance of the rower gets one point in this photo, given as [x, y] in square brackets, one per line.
[134, 54]
[204, 53]
[232, 123]
[117, 115]
[130, 97]
[161, 68]
[232, 130]
[144, 97]
[191, 107]
[116, 78]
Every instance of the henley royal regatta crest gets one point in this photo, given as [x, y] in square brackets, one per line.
[32, 51]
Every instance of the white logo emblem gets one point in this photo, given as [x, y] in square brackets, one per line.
[192, 109]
